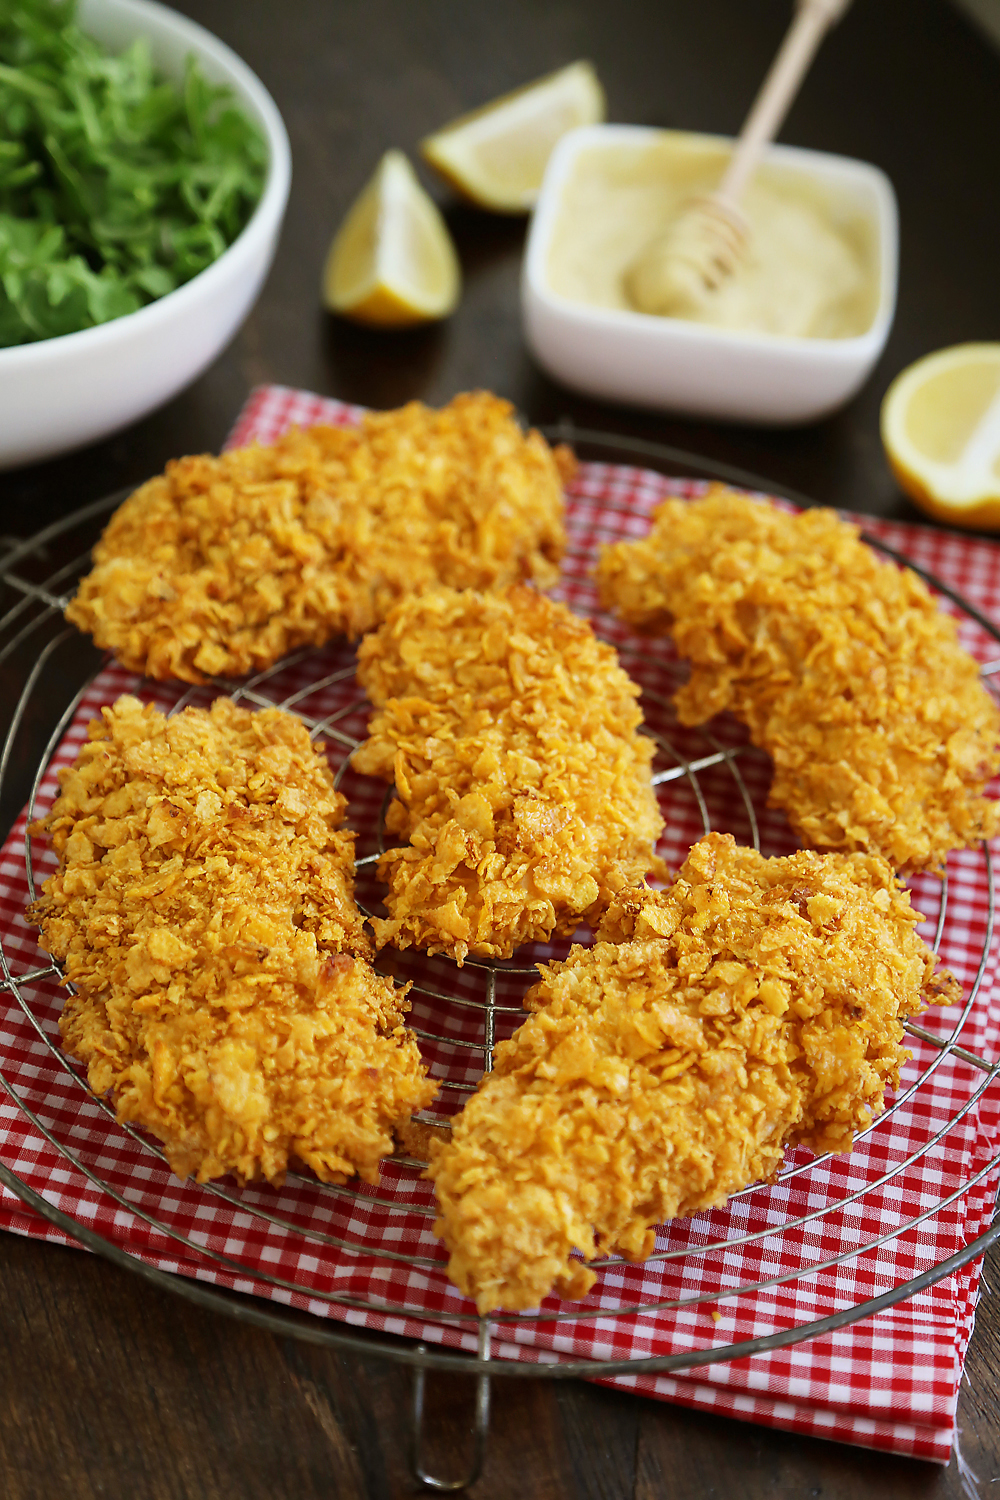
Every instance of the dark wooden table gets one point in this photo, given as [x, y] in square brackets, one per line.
[109, 1388]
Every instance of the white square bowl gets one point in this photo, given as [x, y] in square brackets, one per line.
[693, 368]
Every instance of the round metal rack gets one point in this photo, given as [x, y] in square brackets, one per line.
[47, 668]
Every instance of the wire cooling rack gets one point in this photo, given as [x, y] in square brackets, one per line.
[46, 671]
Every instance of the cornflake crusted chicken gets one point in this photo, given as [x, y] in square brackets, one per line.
[222, 565]
[754, 1005]
[522, 784]
[203, 914]
[842, 667]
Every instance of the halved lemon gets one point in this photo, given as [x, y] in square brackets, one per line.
[392, 261]
[496, 156]
[941, 431]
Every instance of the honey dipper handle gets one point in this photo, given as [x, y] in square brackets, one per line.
[813, 18]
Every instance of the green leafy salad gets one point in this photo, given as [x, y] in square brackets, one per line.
[115, 186]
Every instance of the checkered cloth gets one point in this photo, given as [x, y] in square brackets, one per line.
[830, 1235]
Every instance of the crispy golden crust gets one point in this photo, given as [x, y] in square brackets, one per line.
[222, 565]
[203, 913]
[755, 1004]
[842, 667]
[523, 787]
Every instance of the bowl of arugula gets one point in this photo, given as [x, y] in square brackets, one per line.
[144, 172]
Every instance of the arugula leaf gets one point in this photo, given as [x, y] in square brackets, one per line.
[115, 187]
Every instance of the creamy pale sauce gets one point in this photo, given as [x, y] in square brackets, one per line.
[810, 269]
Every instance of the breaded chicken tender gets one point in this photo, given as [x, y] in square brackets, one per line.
[754, 1005]
[223, 565]
[842, 666]
[522, 784]
[203, 915]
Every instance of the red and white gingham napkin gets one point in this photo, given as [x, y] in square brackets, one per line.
[890, 1382]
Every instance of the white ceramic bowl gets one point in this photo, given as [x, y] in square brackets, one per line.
[699, 370]
[64, 392]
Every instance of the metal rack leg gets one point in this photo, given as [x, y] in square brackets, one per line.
[479, 1431]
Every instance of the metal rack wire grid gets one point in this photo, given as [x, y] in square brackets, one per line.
[366, 1253]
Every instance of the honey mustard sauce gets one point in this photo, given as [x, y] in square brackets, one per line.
[809, 270]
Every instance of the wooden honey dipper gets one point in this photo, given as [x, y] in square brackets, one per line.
[679, 270]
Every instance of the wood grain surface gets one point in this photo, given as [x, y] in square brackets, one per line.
[110, 1388]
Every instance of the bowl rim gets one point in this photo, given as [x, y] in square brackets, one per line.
[264, 220]
[657, 328]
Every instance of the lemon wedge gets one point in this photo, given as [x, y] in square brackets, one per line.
[496, 156]
[941, 431]
[392, 262]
